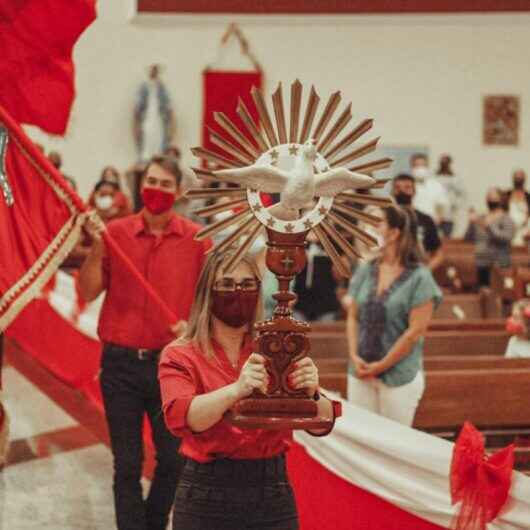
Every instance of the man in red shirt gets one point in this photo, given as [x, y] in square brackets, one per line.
[133, 330]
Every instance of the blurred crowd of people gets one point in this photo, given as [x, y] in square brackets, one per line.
[392, 294]
[437, 198]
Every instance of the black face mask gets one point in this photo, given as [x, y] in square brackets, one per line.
[518, 184]
[493, 205]
[403, 199]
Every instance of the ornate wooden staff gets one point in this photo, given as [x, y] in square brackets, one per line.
[317, 194]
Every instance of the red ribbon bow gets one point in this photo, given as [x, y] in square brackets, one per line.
[481, 482]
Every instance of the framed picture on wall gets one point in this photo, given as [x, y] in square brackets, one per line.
[501, 118]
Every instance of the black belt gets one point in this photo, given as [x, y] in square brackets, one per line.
[143, 354]
[237, 471]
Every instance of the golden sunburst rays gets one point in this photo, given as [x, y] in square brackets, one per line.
[351, 211]
[221, 207]
[353, 229]
[227, 125]
[361, 198]
[331, 251]
[214, 228]
[288, 123]
[230, 148]
[310, 113]
[244, 248]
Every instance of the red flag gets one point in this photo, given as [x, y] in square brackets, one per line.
[36, 67]
[39, 222]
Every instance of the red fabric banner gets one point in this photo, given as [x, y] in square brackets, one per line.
[221, 92]
[327, 502]
[335, 7]
[36, 67]
[39, 218]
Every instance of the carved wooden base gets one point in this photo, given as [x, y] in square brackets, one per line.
[277, 414]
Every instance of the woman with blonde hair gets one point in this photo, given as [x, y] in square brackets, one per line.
[233, 478]
[393, 299]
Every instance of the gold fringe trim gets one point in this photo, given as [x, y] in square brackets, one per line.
[41, 271]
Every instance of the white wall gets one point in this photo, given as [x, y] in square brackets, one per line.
[421, 78]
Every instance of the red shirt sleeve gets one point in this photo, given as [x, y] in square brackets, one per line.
[178, 387]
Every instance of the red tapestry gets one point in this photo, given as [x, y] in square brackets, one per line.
[221, 91]
[320, 7]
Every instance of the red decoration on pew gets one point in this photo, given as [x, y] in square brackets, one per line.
[480, 482]
[513, 326]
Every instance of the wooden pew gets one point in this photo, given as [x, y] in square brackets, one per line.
[335, 345]
[511, 284]
[459, 269]
[490, 396]
[487, 398]
[485, 304]
[440, 324]
[339, 365]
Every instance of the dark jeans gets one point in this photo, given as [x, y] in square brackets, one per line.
[484, 276]
[235, 495]
[130, 389]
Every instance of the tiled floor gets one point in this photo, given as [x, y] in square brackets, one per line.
[58, 475]
[64, 492]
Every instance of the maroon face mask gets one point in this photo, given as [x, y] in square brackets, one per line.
[234, 308]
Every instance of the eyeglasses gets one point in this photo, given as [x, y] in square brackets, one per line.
[230, 285]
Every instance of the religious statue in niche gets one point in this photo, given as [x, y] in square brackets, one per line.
[154, 121]
[309, 169]
[501, 120]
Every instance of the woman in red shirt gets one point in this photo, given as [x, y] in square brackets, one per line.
[233, 478]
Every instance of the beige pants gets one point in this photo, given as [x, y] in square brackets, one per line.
[398, 403]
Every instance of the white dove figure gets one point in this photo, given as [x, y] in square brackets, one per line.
[298, 186]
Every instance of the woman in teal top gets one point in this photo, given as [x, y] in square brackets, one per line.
[394, 297]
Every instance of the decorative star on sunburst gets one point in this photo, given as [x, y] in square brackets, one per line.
[260, 144]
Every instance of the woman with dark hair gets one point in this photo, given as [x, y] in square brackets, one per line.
[233, 478]
[121, 205]
[393, 299]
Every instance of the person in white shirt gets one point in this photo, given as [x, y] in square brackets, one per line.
[518, 326]
[431, 197]
[518, 200]
[455, 192]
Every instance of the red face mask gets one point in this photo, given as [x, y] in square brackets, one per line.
[514, 327]
[234, 308]
[157, 201]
